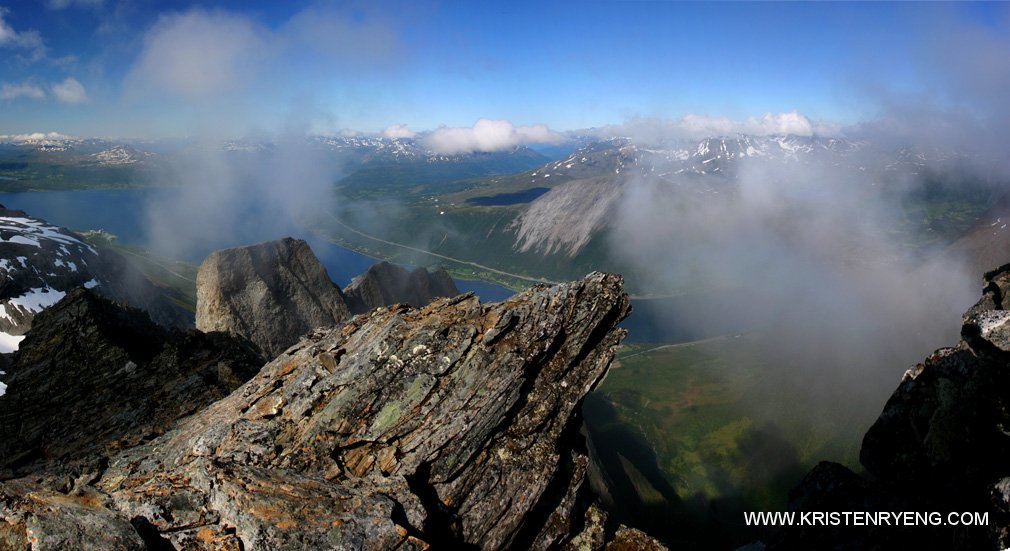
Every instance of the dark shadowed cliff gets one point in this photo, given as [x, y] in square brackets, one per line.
[384, 284]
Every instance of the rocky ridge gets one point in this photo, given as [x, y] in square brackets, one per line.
[385, 284]
[451, 426]
[940, 445]
[92, 376]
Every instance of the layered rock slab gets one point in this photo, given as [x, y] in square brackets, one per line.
[452, 426]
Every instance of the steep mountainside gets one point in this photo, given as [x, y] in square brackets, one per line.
[92, 376]
[572, 215]
[271, 293]
[985, 245]
[274, 292]
[40, 263]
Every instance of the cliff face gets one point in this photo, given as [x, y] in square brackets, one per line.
[271, 293]
[453, 426]
[942, 443]
[384, 284]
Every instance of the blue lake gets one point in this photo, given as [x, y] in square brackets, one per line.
[123, 212]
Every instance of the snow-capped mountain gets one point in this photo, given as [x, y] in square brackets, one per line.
[39, 263]
[42, 141]
[715, 155]
[121, 155]
[377, 149]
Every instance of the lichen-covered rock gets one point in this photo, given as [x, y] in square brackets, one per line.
[632, 539]
[32, 517]
[385, 284]
[271, 293]
[453, 426]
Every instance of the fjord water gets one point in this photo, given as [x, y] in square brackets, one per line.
[123, 212]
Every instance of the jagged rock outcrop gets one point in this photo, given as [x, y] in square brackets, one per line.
[454, 426]
[92, 377]
[385, 284]
[271, 293]
[941, 445]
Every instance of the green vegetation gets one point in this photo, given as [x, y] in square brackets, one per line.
[64, 172]
[423, 177]
[472, 242]
[708, 429]
[177, 279]
[940, 210]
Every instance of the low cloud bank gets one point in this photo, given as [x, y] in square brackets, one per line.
[693, 126]
[488, 135]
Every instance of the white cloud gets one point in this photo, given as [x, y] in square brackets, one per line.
[694, 125]
[10, 91]
[70, 91]
[791, 122]
[63, 4]
[398, 131]
[34, 137]
[488, 135]
[198, 54]
[27, 40]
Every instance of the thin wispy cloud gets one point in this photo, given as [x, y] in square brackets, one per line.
[64, 4]
[10, 91]
[29, 41]
[198, 54]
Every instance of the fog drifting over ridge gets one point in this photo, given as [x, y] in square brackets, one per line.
[214, 198]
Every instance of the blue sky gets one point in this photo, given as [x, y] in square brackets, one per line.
[145, 68]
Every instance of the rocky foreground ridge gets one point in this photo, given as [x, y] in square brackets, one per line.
[452, 426]
[941, 445]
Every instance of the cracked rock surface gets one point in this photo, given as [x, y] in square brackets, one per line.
[452, 426]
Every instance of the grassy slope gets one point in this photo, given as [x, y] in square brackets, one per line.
[725, 435]
[177, 279]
